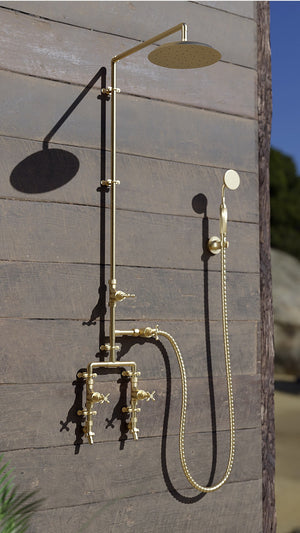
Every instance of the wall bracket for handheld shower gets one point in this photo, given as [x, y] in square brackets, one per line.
[214, 245]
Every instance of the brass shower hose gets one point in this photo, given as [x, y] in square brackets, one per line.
[189, 477]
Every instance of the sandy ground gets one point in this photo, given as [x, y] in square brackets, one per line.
[287, 429]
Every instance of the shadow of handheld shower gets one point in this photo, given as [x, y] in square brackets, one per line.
[50, 168]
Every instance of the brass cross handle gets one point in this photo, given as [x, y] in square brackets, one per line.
[97, 397]
[143, 395]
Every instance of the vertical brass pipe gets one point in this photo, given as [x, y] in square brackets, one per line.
[112, 282]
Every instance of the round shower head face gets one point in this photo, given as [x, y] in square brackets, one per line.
[184, 54]
[231, 179]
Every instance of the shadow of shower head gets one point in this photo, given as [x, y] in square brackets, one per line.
[184, 55]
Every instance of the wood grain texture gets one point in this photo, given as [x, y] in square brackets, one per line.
[49, 50]
[53, 408]
[236, 507]
[65, 233]
[147, 185]
[125, 479]
[145, 127]
[45, 351]
[243, 9]
[142, 20]
[41, 290]
[267, 326]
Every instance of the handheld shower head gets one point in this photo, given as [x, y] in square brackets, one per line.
[231, 179]
[184, 55]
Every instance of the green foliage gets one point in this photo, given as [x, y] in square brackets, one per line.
[285, 203]
[15, 509]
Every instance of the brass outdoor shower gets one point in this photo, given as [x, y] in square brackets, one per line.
[182, 54]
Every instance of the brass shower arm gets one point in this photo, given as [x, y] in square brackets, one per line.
[181, 26]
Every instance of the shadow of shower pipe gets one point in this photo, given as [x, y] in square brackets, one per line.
[51, 168]
[100, 309]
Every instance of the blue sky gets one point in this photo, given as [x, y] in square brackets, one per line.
[285, 50]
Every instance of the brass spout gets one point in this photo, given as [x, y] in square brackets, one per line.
[135, 434]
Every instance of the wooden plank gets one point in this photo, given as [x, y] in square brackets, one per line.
[244, 9]
[236, 507]
[65, 233]
[138, 20]
[49, 50]
[139, 462]
[40, 290]
[145, 127]
[54, 350]
[148, 185]
[54, 410]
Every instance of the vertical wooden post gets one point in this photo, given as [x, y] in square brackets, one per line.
[264, 87]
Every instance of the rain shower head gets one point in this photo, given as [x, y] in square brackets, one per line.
[184, 55]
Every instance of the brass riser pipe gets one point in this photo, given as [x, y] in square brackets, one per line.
[113, 282]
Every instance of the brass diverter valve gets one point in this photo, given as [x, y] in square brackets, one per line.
[118, 296]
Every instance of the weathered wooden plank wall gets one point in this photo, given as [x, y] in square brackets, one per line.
[177, 133]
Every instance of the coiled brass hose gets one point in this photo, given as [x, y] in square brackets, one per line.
[189, 477]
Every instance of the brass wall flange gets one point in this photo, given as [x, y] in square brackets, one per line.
[214, 245]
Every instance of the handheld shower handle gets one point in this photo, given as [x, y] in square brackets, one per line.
[223, 219]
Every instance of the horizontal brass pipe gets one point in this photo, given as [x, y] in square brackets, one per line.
[109, 364]
[135, 332]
